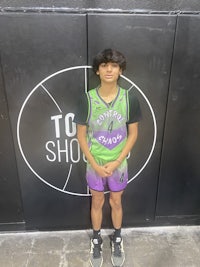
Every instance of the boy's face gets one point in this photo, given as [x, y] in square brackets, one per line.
[109, 72]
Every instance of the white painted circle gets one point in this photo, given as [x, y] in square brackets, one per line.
[68, 176]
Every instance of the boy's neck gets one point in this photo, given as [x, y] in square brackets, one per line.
[108, 89]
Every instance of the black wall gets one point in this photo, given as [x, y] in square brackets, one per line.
[180, 172]
[42, 169]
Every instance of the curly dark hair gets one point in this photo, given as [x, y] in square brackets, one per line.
[109, 55]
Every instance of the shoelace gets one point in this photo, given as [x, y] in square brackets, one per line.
[117, 249]
[96, 250]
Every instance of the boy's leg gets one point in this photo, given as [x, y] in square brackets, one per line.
[117, 256]
[96, 209]
[117, 182]
[96, 258]
[116, 208]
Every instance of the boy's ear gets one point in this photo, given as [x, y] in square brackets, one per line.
[97, 72]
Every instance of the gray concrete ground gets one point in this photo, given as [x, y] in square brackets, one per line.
[145, 247]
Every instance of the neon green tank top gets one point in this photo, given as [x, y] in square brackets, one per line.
[107, 129]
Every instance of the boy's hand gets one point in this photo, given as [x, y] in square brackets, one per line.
[111, 166]
[102, 171]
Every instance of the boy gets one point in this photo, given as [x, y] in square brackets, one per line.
[107, 128]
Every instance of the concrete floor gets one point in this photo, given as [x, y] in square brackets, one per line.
[145, 247]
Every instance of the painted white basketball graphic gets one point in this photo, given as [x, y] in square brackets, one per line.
[58, 149]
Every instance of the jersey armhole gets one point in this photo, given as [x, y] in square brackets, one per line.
[89, 108]
[127, 105]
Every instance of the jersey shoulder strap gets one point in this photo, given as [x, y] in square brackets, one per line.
[90, 94]
[125, 93]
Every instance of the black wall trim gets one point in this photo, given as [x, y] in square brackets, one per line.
[178, 220]
[93, 10]
[17, 226]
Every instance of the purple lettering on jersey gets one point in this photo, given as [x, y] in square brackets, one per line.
[110, 139]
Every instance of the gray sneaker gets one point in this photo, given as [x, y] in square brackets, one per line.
[117, 252]
[96, 259]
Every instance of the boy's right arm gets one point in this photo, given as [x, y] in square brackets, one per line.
[82, 138]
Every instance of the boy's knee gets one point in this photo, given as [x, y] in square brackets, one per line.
[98, 201]
[115, 203]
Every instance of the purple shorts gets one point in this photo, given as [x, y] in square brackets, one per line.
[115, 183]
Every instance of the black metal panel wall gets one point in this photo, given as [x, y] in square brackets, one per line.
[38, 51]
[44, 59]
[179, 179]
[147, 42]
[10, 196]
